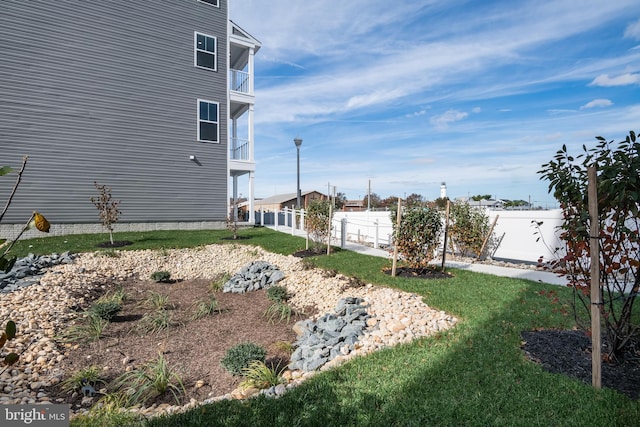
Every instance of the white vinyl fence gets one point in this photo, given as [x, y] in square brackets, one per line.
[515, 236]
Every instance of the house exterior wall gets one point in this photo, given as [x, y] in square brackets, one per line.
[107, 92]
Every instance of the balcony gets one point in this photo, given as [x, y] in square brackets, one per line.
[239, 149]
[239, 81]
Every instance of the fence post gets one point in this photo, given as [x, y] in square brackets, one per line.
[302, 217]
[293, 221]
[375, 242]
[262, 216]
[276, 218]
[343, 232]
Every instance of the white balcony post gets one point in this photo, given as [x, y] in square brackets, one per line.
[252, 217]
[250, 69]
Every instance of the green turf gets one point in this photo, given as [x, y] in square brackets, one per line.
[472, 375]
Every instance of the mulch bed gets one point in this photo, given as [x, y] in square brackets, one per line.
[569, 353]
[193, 348]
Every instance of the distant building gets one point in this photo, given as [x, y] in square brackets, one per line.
[484, 203]
[353, 206]
[289, 200]
[443, 190]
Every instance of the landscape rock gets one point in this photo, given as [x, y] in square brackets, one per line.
[254, 276]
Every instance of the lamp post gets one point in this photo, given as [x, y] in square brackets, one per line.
[298, 143]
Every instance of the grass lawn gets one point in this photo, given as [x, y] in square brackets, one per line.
[474, 374]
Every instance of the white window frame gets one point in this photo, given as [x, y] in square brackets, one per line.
[215, 3]
[217, 121]
[196, 50]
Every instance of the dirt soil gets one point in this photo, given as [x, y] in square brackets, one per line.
[193, 348]
[569, 353]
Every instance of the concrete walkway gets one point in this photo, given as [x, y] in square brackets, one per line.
[519, 273]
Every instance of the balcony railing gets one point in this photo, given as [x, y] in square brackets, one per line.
[239, 149]
[239, 81]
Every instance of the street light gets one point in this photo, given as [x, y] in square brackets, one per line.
[298, 143]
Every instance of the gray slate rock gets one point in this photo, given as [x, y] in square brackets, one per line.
[253, 276]
[321, 341]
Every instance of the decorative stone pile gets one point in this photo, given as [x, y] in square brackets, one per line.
[28, 270]
[332, 335]
[254, 276]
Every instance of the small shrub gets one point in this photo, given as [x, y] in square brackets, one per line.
[277, 293]
[469, 228]
[259, 375]
[105, 309]
[161, 276]
[418, 235]
[240, 357]
[205, 308]
[152, 379]
[317, 222]
[87, 376]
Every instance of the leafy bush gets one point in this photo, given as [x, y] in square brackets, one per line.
[619, 233]
[240, 357]
[161, 276]
[105, 309]
[277, 293]
[468, 228]
[317, 220]
[418, 236]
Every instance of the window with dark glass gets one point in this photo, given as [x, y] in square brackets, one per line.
[206, 51]
[208, 120]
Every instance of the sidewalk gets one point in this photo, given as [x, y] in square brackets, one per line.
[519, 273]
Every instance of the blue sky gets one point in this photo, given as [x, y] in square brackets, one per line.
[408, 94]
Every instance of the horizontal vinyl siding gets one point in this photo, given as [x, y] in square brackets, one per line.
[107, 91]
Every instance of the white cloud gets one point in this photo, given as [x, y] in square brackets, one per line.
[633, 30]
[621, 80]
[442, 121]
[600, 102]
[476, 110]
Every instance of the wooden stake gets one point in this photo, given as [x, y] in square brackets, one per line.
[446, 233]
[486, 239]
[596, 301]
[395, 243]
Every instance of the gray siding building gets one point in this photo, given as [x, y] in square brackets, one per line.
[134, 95]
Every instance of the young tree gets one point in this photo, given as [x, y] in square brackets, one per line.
[418, 236]
[618, 187]
[317, 221]
[107, 208]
